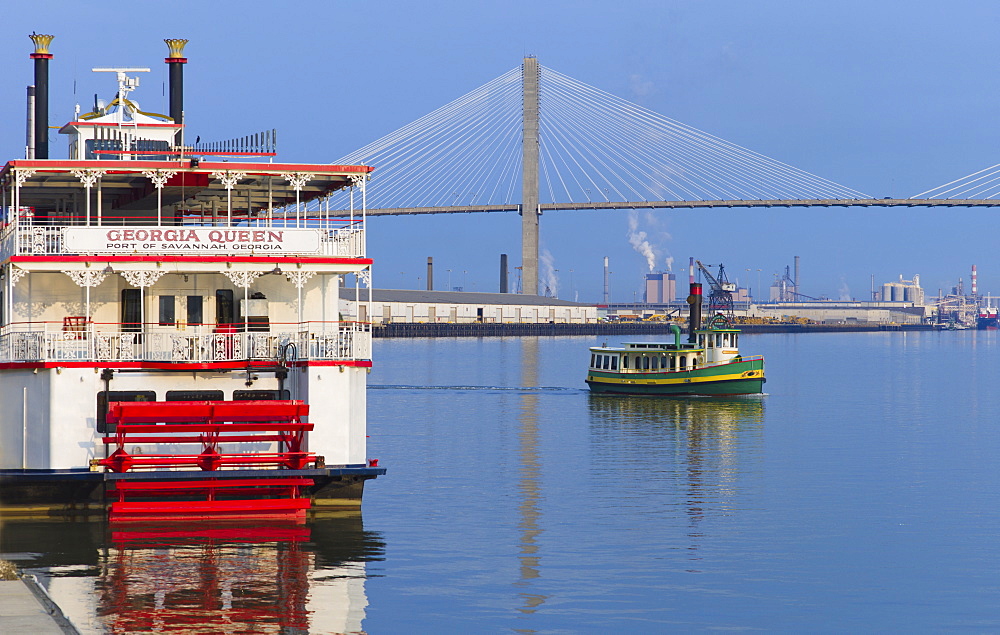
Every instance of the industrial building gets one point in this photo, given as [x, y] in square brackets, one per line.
[903, 291]
[660, 288]
[418, 307]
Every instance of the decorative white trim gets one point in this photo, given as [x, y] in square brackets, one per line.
[365, 275]
[229, 179]
[299, 278]
[87, 277]
[243, 279]
[89, 176]
[297, 180]
[21, 176]
[159, 177]
[15, 273]
[145, 278]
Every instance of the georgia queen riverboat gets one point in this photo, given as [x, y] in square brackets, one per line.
[173, 339]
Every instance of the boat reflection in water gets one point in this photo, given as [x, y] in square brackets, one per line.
[693, 452]
[280, 577]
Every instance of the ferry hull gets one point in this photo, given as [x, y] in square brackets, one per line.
[739, 378]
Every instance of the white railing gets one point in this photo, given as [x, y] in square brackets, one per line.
[343, 341]
[22, 238]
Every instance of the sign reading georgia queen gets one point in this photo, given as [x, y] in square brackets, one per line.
[191, 240]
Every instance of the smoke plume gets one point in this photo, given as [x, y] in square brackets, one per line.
[549, 274]
[639, 242]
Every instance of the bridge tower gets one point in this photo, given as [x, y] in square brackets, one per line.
[529, 177]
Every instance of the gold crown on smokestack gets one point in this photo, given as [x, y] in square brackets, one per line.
[41, 43]
[176, 48]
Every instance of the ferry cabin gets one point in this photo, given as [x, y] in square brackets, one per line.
[711, 347]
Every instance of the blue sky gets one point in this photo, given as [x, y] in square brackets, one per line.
[890, 98]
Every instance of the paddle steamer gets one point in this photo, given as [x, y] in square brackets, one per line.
[173, 339]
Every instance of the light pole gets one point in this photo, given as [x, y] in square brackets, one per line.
[449, 279]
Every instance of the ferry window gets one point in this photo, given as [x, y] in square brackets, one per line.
[593, 360]
[118, 395]
[624, 361]
[701, 341]
[261, 395]
[194, 395]
[694, 363]
[719, 338]
[195, 313]
[655, 362]
[167, 313]
[131, 311]
[684, 362]
[673, 362]
[614, 363]
[224, 313]
[645, 363]
[638, 363]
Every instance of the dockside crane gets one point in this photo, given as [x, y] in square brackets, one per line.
[721, 298]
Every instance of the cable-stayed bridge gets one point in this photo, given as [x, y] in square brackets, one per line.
[535, 140]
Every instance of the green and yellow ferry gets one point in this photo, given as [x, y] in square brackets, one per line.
[709, 363]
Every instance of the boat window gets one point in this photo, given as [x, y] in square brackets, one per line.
[638, 363]
[673, 362]
[624, 362]
[655, 363]
[645, 363]
[118, 395]
[224, 309]
[694, 363]
[261, 395]
[167, 313]
[718, 339]
[701, 340]
[194, 395]
[684, 362]
[131, 310]
[593, 360]
[614, 362]
[195, 314]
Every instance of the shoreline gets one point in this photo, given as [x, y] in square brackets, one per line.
[480, 329]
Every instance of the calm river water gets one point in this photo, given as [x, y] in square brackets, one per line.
[861, 493]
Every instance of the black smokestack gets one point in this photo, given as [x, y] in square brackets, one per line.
[176, 61]
[41, 57]
[694, 299]
[430, 273]
[503, 273]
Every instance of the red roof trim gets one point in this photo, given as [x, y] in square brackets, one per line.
[215, 366]
[205, 167]
[306, 260]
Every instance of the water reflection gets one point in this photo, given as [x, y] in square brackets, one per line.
[693, 447]
[528, 483]
[278, 577]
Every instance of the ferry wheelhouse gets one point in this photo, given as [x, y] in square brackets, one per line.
[709, 363]
[173, 339]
